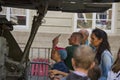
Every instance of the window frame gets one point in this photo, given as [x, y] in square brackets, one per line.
[112, 30]
[27, 15]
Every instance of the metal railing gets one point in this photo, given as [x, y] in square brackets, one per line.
[39, 63]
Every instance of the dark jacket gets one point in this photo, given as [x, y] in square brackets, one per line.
[73, 76]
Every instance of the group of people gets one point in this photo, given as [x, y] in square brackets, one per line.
[83, 60]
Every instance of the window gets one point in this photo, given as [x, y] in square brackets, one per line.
[103, 20]
[3, 13]
[17, 15]
[93, 20]
[84, 20]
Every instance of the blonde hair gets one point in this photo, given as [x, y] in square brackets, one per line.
[83, 57]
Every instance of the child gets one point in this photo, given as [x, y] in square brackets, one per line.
[58, 54]
[114, 74]
[82, 61]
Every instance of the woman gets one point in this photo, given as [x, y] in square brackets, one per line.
[114, 74]
[103, 56]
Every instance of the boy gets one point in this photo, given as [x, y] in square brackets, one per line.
[58, 55]
[82, 61]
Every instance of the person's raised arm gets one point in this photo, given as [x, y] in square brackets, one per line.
[55, 41]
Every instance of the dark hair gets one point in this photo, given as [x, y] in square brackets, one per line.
[116, 65]
[100, 34]
[94, 73]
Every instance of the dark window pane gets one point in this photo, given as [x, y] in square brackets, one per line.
[83, 24]
[80, 15]
[20, 20]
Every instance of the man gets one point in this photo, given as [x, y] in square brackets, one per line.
[74, 41]
[85, 41]
[85, 34]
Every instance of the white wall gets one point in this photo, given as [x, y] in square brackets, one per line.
[117, 19]
[56, 22]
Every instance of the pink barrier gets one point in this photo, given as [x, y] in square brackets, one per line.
[39, 69]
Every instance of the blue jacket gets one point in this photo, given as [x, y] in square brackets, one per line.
[61, 67]
[105, 64]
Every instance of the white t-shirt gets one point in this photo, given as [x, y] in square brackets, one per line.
[113, 76]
